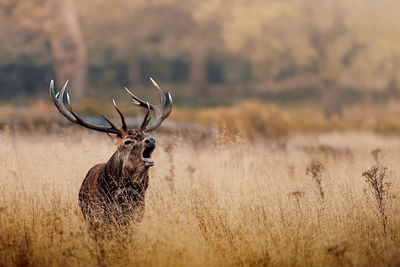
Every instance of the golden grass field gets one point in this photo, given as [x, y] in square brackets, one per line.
[298, 201]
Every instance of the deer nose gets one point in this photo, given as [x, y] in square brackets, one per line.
[150, 142]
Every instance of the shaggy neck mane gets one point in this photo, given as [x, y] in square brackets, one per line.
[121, 170]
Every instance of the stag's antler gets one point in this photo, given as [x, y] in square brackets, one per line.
[71, 115]
[158, 110]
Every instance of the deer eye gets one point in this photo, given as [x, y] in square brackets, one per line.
[128, 142]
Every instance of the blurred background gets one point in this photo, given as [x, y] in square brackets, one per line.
[257, 67]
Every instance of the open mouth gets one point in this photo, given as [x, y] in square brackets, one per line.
[146, 156]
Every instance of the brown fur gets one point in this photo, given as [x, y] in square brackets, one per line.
[114, 192]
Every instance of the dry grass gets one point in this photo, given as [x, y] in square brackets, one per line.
[231, 203]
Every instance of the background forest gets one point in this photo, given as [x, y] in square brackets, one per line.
[330, 53]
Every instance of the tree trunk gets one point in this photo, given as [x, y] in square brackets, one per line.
[68, 47]
[59, 21]
[331, 99]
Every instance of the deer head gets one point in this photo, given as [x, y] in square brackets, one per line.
[135, 147]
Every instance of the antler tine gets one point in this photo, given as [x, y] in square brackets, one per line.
[137, 101]
[92, 126]
[162, 96]
[109, 121]
[124, 127]
[160, 119]
[58, 100]
[71, 115]
[160, 108]
[146, 118]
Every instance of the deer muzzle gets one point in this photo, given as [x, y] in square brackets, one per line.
[150, 145]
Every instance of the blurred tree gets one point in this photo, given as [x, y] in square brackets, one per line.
[327, 32]
[140, 31]
[378, 63]
[205, 37]
[266, 45]
[158, 29]
[58, 21]
[298, 37]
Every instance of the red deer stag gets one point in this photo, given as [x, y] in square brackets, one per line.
[114, 192]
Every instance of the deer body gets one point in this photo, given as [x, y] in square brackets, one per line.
[114, 192]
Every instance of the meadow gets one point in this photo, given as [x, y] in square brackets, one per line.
[327, 199]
